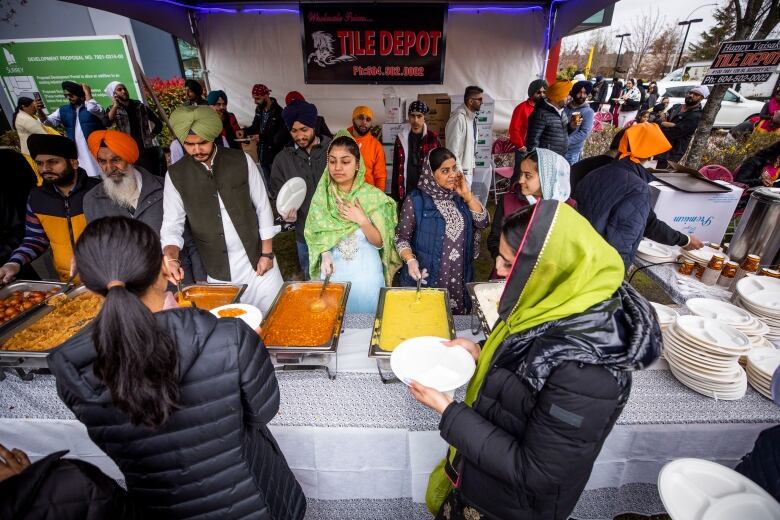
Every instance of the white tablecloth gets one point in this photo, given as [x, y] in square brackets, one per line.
[358, 445]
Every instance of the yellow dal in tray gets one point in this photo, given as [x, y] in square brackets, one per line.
[404, 317]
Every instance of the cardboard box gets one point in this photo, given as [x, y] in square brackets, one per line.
[483, 158]
[706, 215]
[486, 112]
[390, 131]
[440, 108]
[394, 110]
[388, 148]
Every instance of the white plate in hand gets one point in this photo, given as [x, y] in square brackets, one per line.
[252, 315]
[426, 360]
[695, 489]
[291, 196]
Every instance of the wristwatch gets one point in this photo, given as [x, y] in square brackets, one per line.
[270, 256]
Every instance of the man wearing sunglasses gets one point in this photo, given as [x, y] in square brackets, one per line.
[81, 116]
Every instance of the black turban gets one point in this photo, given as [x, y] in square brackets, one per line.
[535, 85]
[301, 111]
[74, 88]
[49, 144]
[584, 84]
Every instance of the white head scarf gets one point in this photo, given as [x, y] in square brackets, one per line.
[553, 175]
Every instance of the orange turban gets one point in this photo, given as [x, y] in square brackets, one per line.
[642, 141]
[558, 91]
[118, 142]
[362, 110]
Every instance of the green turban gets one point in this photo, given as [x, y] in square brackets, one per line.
[200, 120]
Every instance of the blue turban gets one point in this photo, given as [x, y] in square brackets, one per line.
[214, 95]
[584, 84]
[302, 111]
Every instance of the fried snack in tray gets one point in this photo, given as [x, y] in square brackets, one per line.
[20, 301]
[53, 329]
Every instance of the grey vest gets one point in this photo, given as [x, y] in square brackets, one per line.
[198, 189]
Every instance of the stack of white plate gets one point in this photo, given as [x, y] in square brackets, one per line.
[666, 315]
[703, 255]
[761, 367]
[703, 354]
[761, 296]
[656, 253]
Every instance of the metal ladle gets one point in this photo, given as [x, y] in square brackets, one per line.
[319, 304]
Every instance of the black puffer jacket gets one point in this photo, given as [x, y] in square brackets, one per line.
[527, 447]
[54, 488]
[547, 129]
[762, 465]
[215, 457]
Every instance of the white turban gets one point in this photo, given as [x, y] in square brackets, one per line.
[111, 87]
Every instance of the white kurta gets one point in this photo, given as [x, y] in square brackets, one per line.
[261, 290]
[86, 159]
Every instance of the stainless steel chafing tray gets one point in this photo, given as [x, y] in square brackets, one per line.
[299, 357]
[28, 286]
[24, 359]
[476, 308]
[382, 356]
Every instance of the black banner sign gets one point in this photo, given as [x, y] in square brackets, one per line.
[744, 62]
[373, 43]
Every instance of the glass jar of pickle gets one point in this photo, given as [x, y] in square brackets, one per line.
[727, 274]
[686, 268]
[713, 269]
[699, 270]
[749, 265]
[772, 273]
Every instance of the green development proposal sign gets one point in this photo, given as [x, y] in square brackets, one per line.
[37, 67]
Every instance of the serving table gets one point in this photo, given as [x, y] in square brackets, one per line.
[363, 449]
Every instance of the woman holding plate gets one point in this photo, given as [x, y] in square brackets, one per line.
[552, 378]
[350, 228]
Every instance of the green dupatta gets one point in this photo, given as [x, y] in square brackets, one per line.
[325, 228]
[562, 267]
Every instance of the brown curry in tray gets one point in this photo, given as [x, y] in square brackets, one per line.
[206, 298]
[295, 322]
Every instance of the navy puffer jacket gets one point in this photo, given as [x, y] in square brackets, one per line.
[547, 129]
[215, 457]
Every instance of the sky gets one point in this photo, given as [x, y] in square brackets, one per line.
[628, 10]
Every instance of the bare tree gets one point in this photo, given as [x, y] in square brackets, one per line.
[755, 19]
[644, 32]
[662, 51]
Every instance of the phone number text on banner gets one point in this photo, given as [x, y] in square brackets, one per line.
[379, 43]
[744, 62]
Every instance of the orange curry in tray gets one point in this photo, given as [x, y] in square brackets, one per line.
[206, 297]
[297, 321]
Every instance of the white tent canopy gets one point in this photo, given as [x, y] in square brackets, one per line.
[501, 47]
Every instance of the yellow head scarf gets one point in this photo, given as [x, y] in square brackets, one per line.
[558, 91]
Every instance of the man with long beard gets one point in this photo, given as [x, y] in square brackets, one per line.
[371, 150]
[220, 192]
[680, 124]
[129, 190]
[55, 215]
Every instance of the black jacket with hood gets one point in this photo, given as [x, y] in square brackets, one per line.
[215, 457]
[552, 395]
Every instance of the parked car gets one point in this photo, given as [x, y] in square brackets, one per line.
[734, 109]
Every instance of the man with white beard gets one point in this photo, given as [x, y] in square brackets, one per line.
[130, 191]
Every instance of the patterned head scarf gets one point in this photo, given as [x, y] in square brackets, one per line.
[118, 142]
[642, 141]
[325, 228]
[293, 95]
[214, 96]
[427, 183]
[418, 106]
[260, 90]
[553, 175]
[199, 120]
